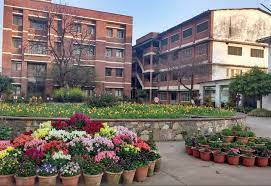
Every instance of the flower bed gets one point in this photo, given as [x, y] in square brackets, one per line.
[122, 111]
[74, 148]
[235, 146]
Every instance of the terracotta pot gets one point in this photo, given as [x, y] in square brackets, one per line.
[219, 158]
[151, 168]
[141, 173]
[248, 161]
[228, 139]
[205, 156]
[189, 150]
[243, 151]
[113, 178]
[128, 177]
[196, 153]
[262, 161]
[204, 146]
[23, 181]
[93, 180]
[243, 140]
[269, 161]
[70, 181]
[158, 165]
[233, 160]
[6, 180]
[47, 180]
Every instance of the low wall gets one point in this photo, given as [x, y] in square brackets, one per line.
[156, 129]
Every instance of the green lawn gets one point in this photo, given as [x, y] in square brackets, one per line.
[125, 111]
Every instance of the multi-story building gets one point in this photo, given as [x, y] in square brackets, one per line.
[110, 46]
[217, 44]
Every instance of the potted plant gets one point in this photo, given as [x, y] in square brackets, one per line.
[247, 150]
[151, 157]
[259, 142]
[47, 174]
[242, 137]
[5, 137]
[70, 174]
[158, 163]
[248, 160]
[228, 136]
[251, 135]
[188, 146]
[25, 174]
[113, 174]
[141, 163]
[202, 141]
[215, 146]
[129, 169]
[219, 157]
[215, 138]
[262, 156]
[195, 151]
[233, 156]
[93, 173]
[236, 128]
[7, 170]
[205, 154]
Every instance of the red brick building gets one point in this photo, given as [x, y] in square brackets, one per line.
[111, 47]
[217, 44]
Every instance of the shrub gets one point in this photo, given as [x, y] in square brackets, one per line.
[103, 100]
[227, 132]
[5, 133]
[237, 127]
[92, 168]
[260, 113]
[72, 95]
[243, 134]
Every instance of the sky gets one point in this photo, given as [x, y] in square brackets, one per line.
[153, 15]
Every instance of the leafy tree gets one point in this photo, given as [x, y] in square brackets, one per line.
[255, 84]
[5, 84]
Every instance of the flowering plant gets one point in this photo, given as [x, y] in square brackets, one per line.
[4, 144]
[26, 169]
[78, 147]
[79, 120]
[142, 145]
[125, 131]
[60, 125]
[53, 146]
[8, 165]
[106, 158]
[234, 152]
[5, 133]
[92, 168]
[21, 140]
[128, 150]
[128, 164]
[59, 158]
[34, 155]
[6, 152]
[107, 132]
[114, 168]
[92, 127]
[47, 169]
[35, 143]
[122, 139]
[65, 135]
[70, 169]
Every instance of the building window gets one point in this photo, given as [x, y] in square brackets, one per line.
[109, 32]
[120, 34]
[187, 53]
[175, 55]
[91, 30]
[175, 76]
[17, 90]
[201, 50]
[187, 33]
[163, 77]
[202, 27]
[77, 50]
[109, 91]
[175, 38]
[108, 71]
[257, 53]
[77, 28]
[119, 53]
[17, 42]
[119, 92]
[163, 96]
[108, 52]
[185, 96]
[38, 25]
[36, 70]
[16, 66]
[91, 51]
[164, 42]
[236, 51]
[37, 47]
[119, 72]
[18, 20]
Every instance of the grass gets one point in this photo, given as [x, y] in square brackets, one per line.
[122, 111]
[260, 113]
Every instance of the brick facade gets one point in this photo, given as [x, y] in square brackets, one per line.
[33, 9]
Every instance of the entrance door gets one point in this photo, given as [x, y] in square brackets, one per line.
[173, 98]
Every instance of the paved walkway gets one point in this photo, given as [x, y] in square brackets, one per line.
[180, 169]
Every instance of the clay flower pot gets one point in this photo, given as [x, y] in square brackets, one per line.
[158, 165]
[248, 161]
[22, 181]
[6, 180]
[243, 140]
[70, 181]
[219, 157]
[262, 161]
[47, 180]
[233, 160]
[141, 173]
[128, 176]
[205, 155]
[93, 180]
[151, 168]
[228, 139]
[196, 153]
[189, 150]
[113, 178]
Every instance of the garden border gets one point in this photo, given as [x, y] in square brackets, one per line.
[156, 129]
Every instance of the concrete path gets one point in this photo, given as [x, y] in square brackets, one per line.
[262, 126]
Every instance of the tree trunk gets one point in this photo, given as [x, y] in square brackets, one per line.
[261, 102]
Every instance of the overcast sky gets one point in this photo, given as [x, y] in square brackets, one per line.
[154, 15]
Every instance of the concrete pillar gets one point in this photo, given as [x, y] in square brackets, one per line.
[217, 96]
[201, 94]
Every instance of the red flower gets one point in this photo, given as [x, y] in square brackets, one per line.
[142, 144]
[53, 146]
[93, 127]
[28, 133]
[60, 125]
